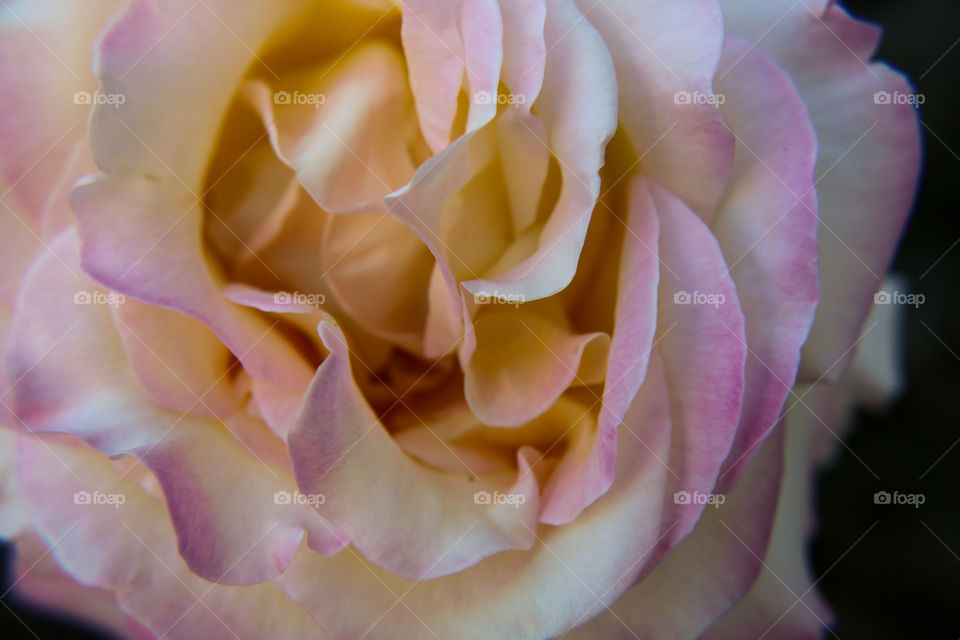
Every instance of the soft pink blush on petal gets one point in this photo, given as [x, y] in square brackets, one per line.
[767, 228]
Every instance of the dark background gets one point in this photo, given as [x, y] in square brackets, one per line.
[902, 579]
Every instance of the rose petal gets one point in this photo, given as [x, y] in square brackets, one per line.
[445, 43]
[73, 378]
[868, 164]
[130, 549]
[579, 480]
[664, 51]
[523, 361]
[433, 526]
[767, 227]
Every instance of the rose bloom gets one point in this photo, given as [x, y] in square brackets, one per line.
[466, 319]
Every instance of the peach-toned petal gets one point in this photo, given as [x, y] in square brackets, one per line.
[141, 238]
[345, 129]
[523, 361]
[578, 106]
[709, 571]
[767, 228]
[46, 87]
[428, 528]
[666, 54]
[130, 549]
[449, 45]
[580, 479]
[73, 378]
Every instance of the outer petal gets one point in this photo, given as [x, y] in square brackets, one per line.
[414, 522]
[868, 164]
[73, 377]
[562, 581]
[45, 53]
[664, 51]
[130, 549]
[767, 228]
[703, 348]
[707, 572]
[782, 604]
[580, 479]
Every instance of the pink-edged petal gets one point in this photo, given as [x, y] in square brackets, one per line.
[578, 105]
[142, 55]
[523, 361]
[141, 238]
[47, 86]
[702, 342]
[448, 45]
[767, 227]
[524, 48]
[432, 527]
[41, 583]
[178, 362]
[782, 604]
[709, 571]
[666, 54]
[581, 581]
[130, 550]
[13, 515]
[868, 163]
[580, 479]
[349, 142]
[73, 377]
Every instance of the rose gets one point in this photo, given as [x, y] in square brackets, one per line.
[593, 197]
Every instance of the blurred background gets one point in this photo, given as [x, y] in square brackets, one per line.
[903, 578]
[888, 571]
